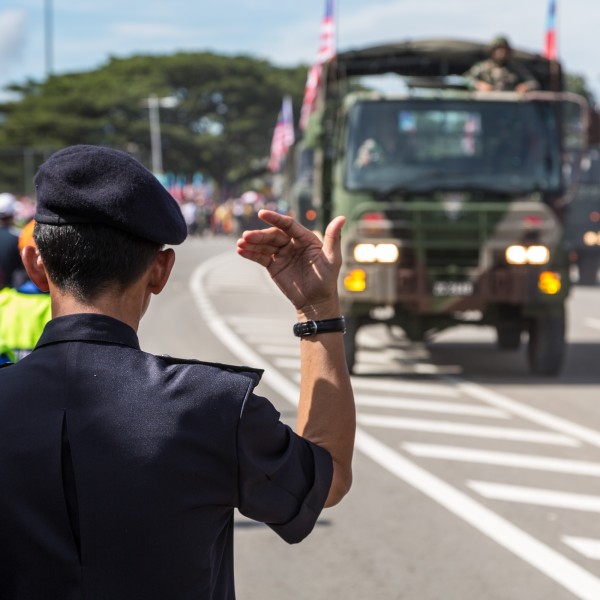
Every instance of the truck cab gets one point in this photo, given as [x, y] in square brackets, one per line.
[453, 197]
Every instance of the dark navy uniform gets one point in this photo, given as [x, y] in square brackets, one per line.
[120, 470]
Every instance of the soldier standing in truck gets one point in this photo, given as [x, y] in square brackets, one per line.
[500, 72]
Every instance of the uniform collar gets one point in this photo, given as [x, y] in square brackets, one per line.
[88, 327]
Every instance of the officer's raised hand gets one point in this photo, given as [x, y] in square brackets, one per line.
[305, 268]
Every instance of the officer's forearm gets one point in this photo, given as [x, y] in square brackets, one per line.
[326, 414]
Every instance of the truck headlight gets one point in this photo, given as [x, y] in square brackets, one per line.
[532, 255]
[387, 253]
[516, 255]
[538, 255]
[364, 253]
[370, 253]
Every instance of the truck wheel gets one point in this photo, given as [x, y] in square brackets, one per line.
[509, 336]
[350, 342]
[588, 270]
[546, 344]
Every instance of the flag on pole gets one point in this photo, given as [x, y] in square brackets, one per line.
[283, 135]
[550, 50]
[326, 51]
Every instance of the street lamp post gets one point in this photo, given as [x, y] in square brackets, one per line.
[49, 42]
[154, 104]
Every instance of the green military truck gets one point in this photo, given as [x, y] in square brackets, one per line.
[582, 223]
[453, 197]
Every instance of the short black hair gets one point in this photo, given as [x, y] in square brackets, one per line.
[87, 260]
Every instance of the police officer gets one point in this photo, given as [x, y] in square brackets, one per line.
[500, 72]
[120, 470]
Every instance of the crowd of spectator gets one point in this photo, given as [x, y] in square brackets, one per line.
[205, 216]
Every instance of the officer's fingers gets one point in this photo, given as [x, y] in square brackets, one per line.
[258, 257]
[267, 248]
[332, 246]
[271, 236]
[289, 226]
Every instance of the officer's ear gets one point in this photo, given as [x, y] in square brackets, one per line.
[34, 265]
[160, 270]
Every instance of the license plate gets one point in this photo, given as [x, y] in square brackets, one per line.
[452, 288]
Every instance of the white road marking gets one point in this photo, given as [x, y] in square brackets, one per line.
[590, 548]
[554, 565]
[450, 428]
[399, 386]
[430, 406]
[225, 334]
[536, 496]
[546, 560]
[503, 459]
[534, 415]
[593, 323]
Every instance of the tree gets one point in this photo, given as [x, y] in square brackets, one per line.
[222, 123]
[577, 83]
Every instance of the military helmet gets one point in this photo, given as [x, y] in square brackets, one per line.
[500, 41]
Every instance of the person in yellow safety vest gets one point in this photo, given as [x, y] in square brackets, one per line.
[24, 312]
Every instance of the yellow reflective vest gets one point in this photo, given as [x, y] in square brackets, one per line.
[22, 319]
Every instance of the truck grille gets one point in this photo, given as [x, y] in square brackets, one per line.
[452, 257]
[443, 242]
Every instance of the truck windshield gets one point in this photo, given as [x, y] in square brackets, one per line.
[422, 145]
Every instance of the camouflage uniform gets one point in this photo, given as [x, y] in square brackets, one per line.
[504, 77]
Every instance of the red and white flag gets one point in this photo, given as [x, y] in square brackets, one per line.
[550, 49]
[326, 51]
[283, 135]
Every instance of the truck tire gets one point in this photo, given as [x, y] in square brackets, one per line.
[546, 344]
[509, 336]
[350, 342]
[588, 270]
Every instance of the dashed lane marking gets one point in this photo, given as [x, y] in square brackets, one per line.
[466, 429]
[536, 496]
[584, 434]
[593, 323]
[503, 459]
[418, 404]
[590, 548]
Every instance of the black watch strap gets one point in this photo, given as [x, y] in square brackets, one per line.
[325, 326]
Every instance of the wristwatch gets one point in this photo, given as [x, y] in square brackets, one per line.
[325, 326]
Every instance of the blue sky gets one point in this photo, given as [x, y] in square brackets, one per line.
[87, 32]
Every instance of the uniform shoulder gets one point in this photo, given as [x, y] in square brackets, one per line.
[242, 370]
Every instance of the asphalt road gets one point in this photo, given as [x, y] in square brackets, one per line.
[473, 480]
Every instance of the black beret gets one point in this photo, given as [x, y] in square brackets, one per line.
[95, 184]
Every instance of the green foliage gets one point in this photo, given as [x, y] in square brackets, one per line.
[221, 126]
[577, 83]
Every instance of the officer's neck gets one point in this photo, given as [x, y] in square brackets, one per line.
[127, 306]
